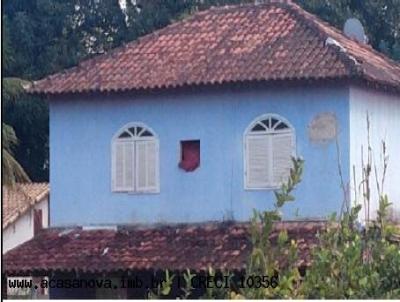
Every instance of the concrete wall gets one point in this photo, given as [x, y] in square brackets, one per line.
[384, 112]
[22, 229]
[81, 130]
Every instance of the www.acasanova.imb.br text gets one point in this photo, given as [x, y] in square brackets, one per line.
[197, 281]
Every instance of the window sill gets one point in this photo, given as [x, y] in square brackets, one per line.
[137, 193]
[270, 188]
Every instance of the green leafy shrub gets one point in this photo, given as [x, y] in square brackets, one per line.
[265, 256]
[351, 261]
[354, 263]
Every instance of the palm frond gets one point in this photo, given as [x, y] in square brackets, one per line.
[12, 170]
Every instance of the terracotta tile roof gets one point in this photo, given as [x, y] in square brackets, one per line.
[19, 199]
[269, 42]
[174, 247]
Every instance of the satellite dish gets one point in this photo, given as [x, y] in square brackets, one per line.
[354, 30]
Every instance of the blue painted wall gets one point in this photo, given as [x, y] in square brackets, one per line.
[80, 162]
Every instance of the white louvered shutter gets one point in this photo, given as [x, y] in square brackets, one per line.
[258, 161]
[123, 166]
[147, 166]
[282, 146]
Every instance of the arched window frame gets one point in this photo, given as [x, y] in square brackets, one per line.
[138, 141]
[249, 132]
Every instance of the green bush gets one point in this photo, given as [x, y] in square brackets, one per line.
[350, 262]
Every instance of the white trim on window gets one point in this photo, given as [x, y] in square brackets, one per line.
[269, 142]
[135, 160]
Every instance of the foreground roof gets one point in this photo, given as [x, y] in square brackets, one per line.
[276, 41]
[19, 199]
[174, 247]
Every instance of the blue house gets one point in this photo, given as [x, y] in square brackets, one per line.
[198, 122]
[234, 92]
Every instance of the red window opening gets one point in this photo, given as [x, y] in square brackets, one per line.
[190, 155]
[37, 221]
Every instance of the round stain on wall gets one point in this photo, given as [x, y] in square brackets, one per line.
[323, 128]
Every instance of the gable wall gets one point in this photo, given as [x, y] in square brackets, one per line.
[80, 144]
[384, 113]
[22, 229]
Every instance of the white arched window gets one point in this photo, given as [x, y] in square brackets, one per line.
[269, 147]
[135, 159]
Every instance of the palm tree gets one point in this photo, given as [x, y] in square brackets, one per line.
[12, 170]
[12, 89]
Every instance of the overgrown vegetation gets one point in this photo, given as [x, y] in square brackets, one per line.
[355, 261]
[351, 261]
[265, 259]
